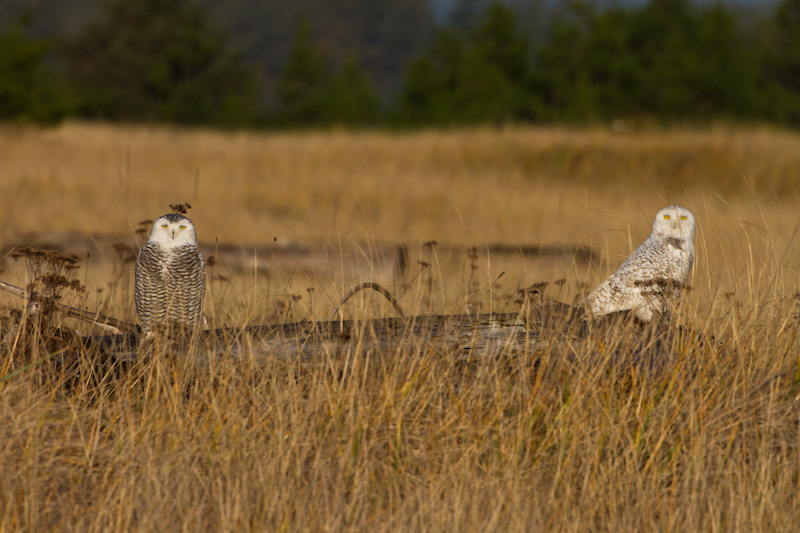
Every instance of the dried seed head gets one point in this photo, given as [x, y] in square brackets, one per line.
[180, 209]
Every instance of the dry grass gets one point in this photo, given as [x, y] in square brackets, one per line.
[561, 436]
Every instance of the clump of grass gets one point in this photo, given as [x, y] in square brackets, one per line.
[36, 333]
[690, 424]
[655, 427]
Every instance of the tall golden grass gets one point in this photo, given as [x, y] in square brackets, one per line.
[561, 435]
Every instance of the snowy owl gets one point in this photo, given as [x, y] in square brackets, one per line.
[170, 274]
[652, 272]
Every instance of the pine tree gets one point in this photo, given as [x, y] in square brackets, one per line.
[27, 90]
[158, 60]
[431, 81]
[303, 82]
[781, 65]
[493, 80]
[667, 60]
[485, 80]
[351, 97]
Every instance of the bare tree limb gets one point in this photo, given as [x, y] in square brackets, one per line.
[367, 285]
[109, 324]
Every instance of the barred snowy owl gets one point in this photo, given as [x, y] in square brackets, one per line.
[655, 270]
[170, 274]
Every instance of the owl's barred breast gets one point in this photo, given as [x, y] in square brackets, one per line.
[170, 284]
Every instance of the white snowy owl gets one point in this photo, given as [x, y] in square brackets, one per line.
[170, 275]
[654, 271]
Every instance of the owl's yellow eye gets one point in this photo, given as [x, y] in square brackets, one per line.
[683, 217]
[666, 217]
[164, 226]
[184, 227]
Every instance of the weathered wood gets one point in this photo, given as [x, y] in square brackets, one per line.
[367, 285]
[464, 337]
[108, 323]
[485, 333]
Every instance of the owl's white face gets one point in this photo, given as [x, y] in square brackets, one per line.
[675, 222]
[173, 230]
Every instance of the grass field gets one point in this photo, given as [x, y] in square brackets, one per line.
[557, 437]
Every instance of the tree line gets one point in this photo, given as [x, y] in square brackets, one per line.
[667, 61]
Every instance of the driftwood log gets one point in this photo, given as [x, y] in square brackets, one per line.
[469, 333]
[303, 341]
[107, 323]
[467, 337]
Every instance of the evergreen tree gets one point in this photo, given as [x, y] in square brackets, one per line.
[726, 83]
[665, 60]
[431, 81]
[494, 76]
[561, 77]
[303, 82]
[497, 41]
[482, 81]
[781, 65]
[158, 60]
[27, 90]
[787, 40]
[385, 34]
[352, 99]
